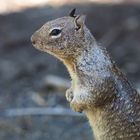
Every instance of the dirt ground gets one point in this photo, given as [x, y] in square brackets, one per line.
[23, 68]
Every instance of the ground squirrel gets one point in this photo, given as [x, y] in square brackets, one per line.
[98, 88]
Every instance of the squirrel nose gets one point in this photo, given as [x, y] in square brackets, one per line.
[33, 39]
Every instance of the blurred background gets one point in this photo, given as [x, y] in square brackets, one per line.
[33, 83]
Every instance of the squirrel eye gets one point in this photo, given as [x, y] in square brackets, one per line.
[55, 32]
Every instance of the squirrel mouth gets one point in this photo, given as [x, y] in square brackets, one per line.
[38, 45]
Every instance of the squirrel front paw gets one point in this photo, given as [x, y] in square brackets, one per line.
[69, 95]
[76, 103]
[76, 106]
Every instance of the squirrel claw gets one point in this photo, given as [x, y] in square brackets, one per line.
[69, 95]
[76, 107]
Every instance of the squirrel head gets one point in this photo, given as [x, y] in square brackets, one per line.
[64, 37]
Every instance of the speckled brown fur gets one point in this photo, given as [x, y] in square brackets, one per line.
[98, 88]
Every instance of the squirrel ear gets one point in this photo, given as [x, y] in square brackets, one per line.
[80, 22]
[72, 13]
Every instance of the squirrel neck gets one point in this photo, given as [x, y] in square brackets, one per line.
[93, 60]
